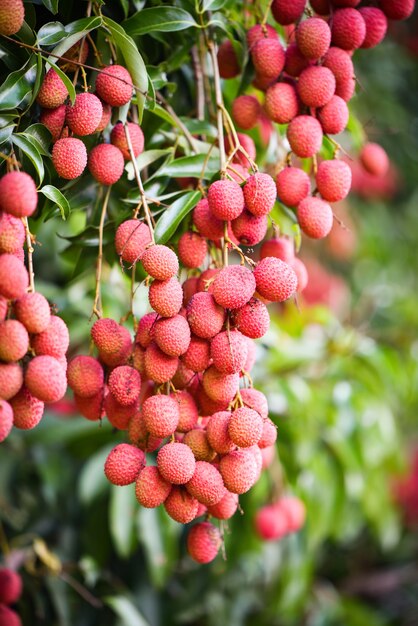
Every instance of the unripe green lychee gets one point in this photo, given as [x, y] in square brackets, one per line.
[10, 586]
[333, 180]
[160, 262]
[69, 157]
[197, 441]
[313, 37]
[276, 280]
[12, 15]
[233, 286]
[187, 410]
[246, 111]
[206, 223]
[118, 139]
[217, 432]
[334, 116]
[106, 163]
[226, 507]
[161, 415]
[304, 134]
[226, 199]
[229, 351]
[27, 409]
[259, 193]
[176, 463]
[229, 66]
[315, 217]
[159, 367]
[348, 28]
[239, 470]
[181, 506]
[6, 419]
[268, 57]
[33, 311]
[206, 484]
[205, 316]
[11, 379]
[203, 542]
[151, 489]
[85, 115]
[220, 387]
[14, 340]
[192, 249]
[54, 340]
[53, 91]
[45, 378]
[282, 103]
[12, 233]
[131, 239]
[18, 195]
[123, 464]
[114, 85]
[253, 319]
[125, 384]
[316, 86]
[197, 356]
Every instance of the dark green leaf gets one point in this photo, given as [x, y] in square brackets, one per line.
[146, 158]
[5, 133]
[127, 612]
[31, 152]
[191, 166]
[171, 218]
[74, 32]
[51, 5]
[18, 85]
[51, 33]
[123, 504]
[92, 481]
[41, 135]
[159, 19]
[54, 194]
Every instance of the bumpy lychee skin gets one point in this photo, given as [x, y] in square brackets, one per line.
[229, 66]
[249, 229]
[229, 351]
[315, 217]
[123, 464]
[268, 57]
[54, 340]
[85, 376]
[12, 14]
[348, 29]
[192, 249]
[205, 316]
[176, 463]
[53, 91]
[239, 470]
[346, 89]
[316, 86]
[269, 434]
[285, 12]
[220, 387]
[334, 116]
[45, 378]
[139, 436]
[69, 157]
[271, 523]
[245, 427]
[187, 410]
[118, 139]
[374, 159]
[279, 247]
[217, 432]
[14, 340]
[181, 506]
[257, 32]
[172, 335]
[106, 163]
[295, 61]
[245, 111]
[18, 195]
[397, 9]
[305, 136]
[226, 507]
[197, 356]
[145, 330]
[313, 37]
[276, 280]
[14, 278]
[197, 441]
[226, 199]
[10, 586]
[131, 239]
[340, 64]
[259, 194]
[208, 406]
[33, 311]
[151, 489]
[107, 335]
[54, 120]
[12, 233]
[120, 356]
[293, 185]
[206, 484]
[159, 366]
[233, 286]
[206, 279]
[166, 297]
[253, 319]
[106, 116]
[203, 542]
[91, 408]
[125, 384]
[11, 379]
[190, 287]
[161, 415]
[119, 415]
[6, 419]
[27, 409]
[282, 103]
[206, 223]
[85, 115]
[301, 273]
[333, 180]
[114, 85]
[376, 26]
[160, 262]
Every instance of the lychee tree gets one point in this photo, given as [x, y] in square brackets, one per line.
[127, 123]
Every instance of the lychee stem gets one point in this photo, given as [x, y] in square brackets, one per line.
[97, 306]
[30, 254]
[265, 16]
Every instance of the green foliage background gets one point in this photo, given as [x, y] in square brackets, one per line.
[342, 392]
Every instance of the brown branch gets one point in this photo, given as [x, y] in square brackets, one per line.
[97, 305]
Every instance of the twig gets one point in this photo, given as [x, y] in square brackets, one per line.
[200, 90]
[180, 124]
[81, 590]
[97, 306]
[219, 104]
[30, 254]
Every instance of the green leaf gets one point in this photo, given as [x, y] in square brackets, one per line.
[122, 520]
[51, 5]
[92, 481]
[18, 85]
[5, 133]
[54, 194]
[133, 61]
[73, 33]
[171, 218]
[191, 166]
[126, 611]
[159, 19]
[145, 159]
[51, 33]
[159, 535]
[27, 147]
[213, 5]
[41, 135]
[67, 82]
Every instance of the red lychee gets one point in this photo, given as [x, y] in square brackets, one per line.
[125, 384]
[151, 489]
[293, 185]
[397, 9]
[197, 356]
[334, 116]
[204, 315]
[145, 330]
[376, 26]
[54, 340]
[239, 470]
[118, 139]
[192, 249]
[374, 159]
[11, 379]
[269, 434]
[69, 157]
[172, 335]
[197, 441]
[229, 66]
[159, 367]
[253, 319]
[206, 223]
[166, 297]
[181, 506]
[9, 617]
[53, 91]
[340, 64]
[14, 340]
[295, 61]
[316, 86]
[226, 199]
[220, 387]
[106, 116]
[304, 134]
[106, 163]
[259, 193]
[160, 262]
[271, 523]
[217, 432]
[257, 32]
[245, 111]
[333, 180]
[276, 281]
[226, 507]
[285, 12]
[85, 376]
[348, 29]
[10, 586]
[268, 57]
[161, 415]
[315, 217]
[12, 233]
[6, 419]
[131, 239]
[176, 463]
[14, 277]
[85, 115]
[249, 229]
[27, 409]
[119, 415]
[18, 195]
[54, 120]
[114, 85]
[12, 15]
[279, 247]
[33, 311]
[187, 411]
[206, 484]
[313, 37]
[91, 408]
[229, 351]
[245, 427]
[45, 378]
[123, 464]
[203, 542]
[282, 103]
[233, 286]
[301, 273]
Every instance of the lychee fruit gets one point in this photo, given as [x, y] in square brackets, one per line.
[315, 217]
[334, 116]
[78, 52]
[295, 61]
[114, 85]
[295, 512]
[226, 199]
[276, 280]
[304, 134]
[249, 229]
[301, 273]
[172, 335]
[69, 157]
[239, 470]
[340, 64]
[197, 440]
[119, 415]
[285, 12]
[346, 89]
[8, 617]
[220, 387]
[321, 7]
[206, 223]
[229, 351]
[279, 247]
[226, 507]
[208, 406]
[27, 409]
[245, 111]
[181, 506]
[282, 103]
[374, 159]
[145, 331]
[206, 484]
[259, 194]
[253, 319]
[376, 26]
[131, 239]
[397, 9]
[11, 379]
[313, 37]
[91, 408]
[54, 340]
[217, 432]
[18, 195]
[184, 378]
[205, 316]
[192, 249]
[205, 282]
[251, 356]
[271, 523]
[159, 367]
[257, 32]
[84, 116]
[14, 279]
[348, 28]
[118, 139]
[14, 340]
[187, 411]
[12, 233]
[160, 262]
[85, 376]
[10, 586]
[107, 335]
[166, 297]
[161, 415]
[151, 489]
[106, 163]
[6, 419]
[333, 180]
[123, 464]
[45, 378]
[245, 427]
[125, 384]
[176, 463]
[106, 117]
[203, 542]
[12, 15]
[139, 436]
[52, 92]
[229, 66]
[293, 185]
[233, 286]
[269, 434]
[33, 311]
[197, 355]
[316, 86]
[268, 57]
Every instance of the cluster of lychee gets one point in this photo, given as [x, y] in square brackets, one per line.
[275, 521]
[90, 114]
[10, 592]
[307, 87]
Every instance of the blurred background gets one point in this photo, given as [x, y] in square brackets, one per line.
[340, 371]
